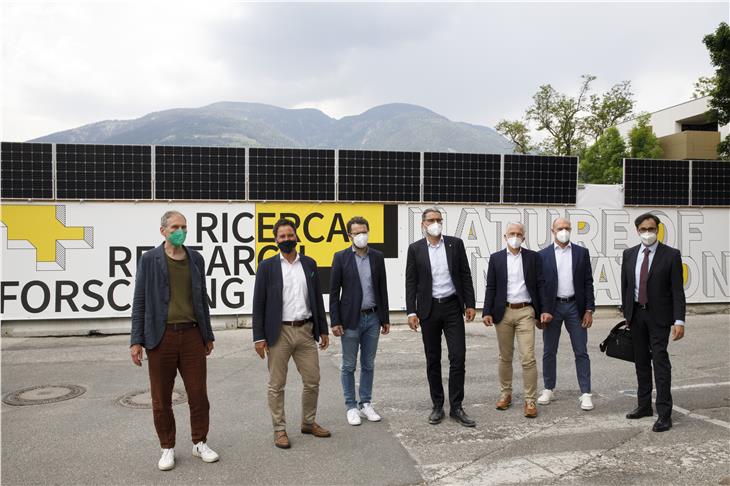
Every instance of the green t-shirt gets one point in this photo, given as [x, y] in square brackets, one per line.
[181, 292]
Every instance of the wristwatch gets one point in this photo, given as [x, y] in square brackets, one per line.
[588, 310]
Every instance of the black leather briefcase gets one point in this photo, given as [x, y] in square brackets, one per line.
[618, 344]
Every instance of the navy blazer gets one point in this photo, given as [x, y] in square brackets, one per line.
[267, 299]
[495, 298]
[419, 280]
[582, 278]
[665, 287]
[152, 297]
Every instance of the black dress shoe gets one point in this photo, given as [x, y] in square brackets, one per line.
[460, 416]
[639, 412]
[437, 415]
[662, 424]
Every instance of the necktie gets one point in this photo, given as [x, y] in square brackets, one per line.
[643, 277]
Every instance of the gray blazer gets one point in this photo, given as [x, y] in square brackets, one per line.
[152, 297]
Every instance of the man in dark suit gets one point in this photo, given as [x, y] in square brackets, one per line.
[569, 283]
[653, 302]
[288, 320]
[359, 313]
[439, 290]
[513, 300]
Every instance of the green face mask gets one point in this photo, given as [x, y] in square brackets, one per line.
[177, 237]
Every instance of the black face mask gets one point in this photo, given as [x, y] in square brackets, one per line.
[287, 246]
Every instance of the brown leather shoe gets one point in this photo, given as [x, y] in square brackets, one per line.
[504, 402]
[281, 440]
[315, 429]
[530, 410]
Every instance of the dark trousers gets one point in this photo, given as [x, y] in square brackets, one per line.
[447, 318]
[650, 346]
[185, 351]
[566, 312]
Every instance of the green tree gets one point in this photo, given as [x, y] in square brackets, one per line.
[642, 141]
[518, 133]
[609, 109]
[704, 86]
[718, 44]
[602, 162]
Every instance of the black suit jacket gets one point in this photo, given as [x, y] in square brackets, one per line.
[665, 286]
[419, 280]
[582, 278]
[495, 298]
[267, 299]
[345, 308]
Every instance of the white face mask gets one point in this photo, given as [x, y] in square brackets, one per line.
[648, 238]
[434, 229]
[360, 240]
[563, 236]
[515, 242]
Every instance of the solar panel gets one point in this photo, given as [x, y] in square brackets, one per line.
[103, 171]
[200, 173]
[656, 182]
[27, 170]
[710, 183]
[291, 174]
[379, 176]
[539, 179]
[452, 177]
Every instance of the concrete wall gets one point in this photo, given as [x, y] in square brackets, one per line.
[690, 145]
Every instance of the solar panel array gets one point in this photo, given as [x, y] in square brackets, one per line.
[194, 173]
[291, 174]
[366, 175]
[103, 171]
[710, 183]
[27, 170]
[457, 177]
[656, 182]
[538, 179]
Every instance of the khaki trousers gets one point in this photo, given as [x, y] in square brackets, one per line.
[297, 343]
[520, 324]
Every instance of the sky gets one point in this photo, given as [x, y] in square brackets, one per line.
[67, 63]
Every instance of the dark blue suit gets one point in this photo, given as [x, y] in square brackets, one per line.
[267, 299]
[569, 312]
[495, 298]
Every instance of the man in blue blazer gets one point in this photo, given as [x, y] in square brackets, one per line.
[515, 297]
[569, 283]
[359, 313]
[288, 321]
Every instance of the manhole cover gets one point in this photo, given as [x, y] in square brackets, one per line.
[39, 395]
[143, 399]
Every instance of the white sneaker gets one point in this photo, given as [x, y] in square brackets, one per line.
[367, 411]
[545, 397]
[167, 461]
[586, 401]
[353, 417]
[204, 452]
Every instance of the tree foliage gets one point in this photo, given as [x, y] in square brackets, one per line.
[718, 45]
[602, 162]
[518, 133]
[609, 109]
[642, 141]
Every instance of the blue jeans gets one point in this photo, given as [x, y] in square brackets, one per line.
[365, 338]
[566, 312]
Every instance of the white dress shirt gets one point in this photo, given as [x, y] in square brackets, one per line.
[294, 295]
[442, 286]
[637, 271]
[564, 262]
[516, 288]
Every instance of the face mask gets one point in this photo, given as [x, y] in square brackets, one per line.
[360, 240]
[563, 236]
[515, 242]
[434, 229]
[648, 238]
[287, 246]
[177, 237]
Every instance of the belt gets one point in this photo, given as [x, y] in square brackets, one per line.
[518, 306]
[565, 299]
[371, 310]
[295, 323]
[443, 300]
[181, 326]
[641, 306]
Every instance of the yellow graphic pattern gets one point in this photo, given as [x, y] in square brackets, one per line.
[39, 226]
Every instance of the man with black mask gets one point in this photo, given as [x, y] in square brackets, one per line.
[288, 321]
